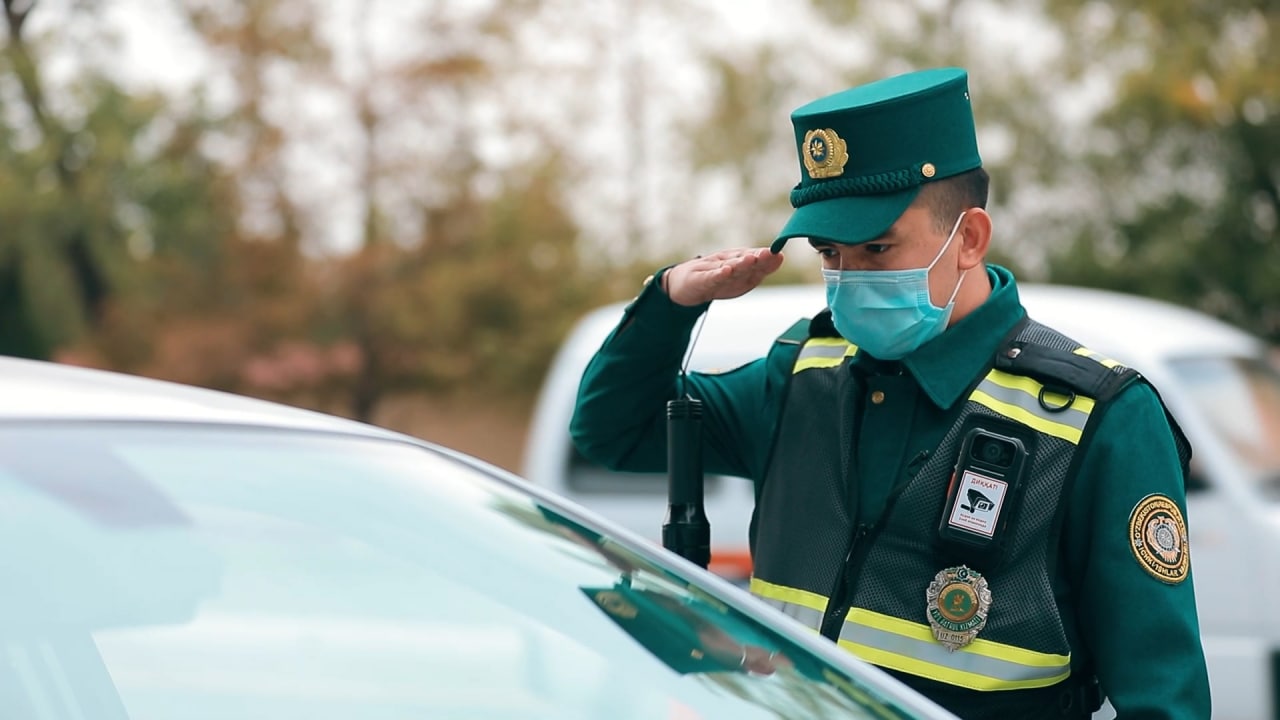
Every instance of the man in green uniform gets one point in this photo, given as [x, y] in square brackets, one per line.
[947, 489]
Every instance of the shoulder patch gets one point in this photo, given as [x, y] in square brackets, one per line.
[1158, 538]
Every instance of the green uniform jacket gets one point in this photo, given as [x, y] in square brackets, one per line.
[1141, 634]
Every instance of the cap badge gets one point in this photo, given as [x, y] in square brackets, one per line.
[1158, 535]
[825, 154]
[958, 601]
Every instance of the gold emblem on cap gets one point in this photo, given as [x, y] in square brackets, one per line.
[928, 170]
[1158, 536]
[825, 154]
[957, 603]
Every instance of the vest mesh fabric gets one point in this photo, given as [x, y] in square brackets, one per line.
[805, 527]
[814, 496]
[905, 556]
[906, 551]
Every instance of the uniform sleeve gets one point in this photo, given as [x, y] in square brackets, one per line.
[1141, 629]
[619, 420]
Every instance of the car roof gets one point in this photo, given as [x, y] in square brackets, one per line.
[40, 390]
[1131, 325]
[1133, 329]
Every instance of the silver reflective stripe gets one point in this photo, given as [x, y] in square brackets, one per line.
[807, 616]
[814, 350]
[936, 654]
[1071, 417]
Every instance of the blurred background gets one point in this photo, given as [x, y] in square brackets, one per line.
[395, 210]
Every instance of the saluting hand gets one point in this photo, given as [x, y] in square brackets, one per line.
[719, 276]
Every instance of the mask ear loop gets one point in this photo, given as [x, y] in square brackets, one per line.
[947, 244]
[956, 292]
[952, 236]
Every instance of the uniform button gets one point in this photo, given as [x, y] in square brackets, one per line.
[877, 397]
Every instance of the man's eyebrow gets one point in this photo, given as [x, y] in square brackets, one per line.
[890, 234]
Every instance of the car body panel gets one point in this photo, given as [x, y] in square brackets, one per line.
[175, 552]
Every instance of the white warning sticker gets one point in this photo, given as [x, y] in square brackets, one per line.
[977, 504]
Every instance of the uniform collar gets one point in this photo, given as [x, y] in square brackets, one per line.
[946, 366]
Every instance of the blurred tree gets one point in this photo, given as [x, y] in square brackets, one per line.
[736, 141]
[1186, 159]
[215, 271]
[113, 219]
[482, 312]
[54, 278]
[467, 273]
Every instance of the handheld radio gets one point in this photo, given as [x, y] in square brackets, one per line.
[686, 532]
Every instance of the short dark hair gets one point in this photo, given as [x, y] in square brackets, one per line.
[949, 197]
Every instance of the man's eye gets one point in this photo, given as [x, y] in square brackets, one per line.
[876, 248]
[826, 252]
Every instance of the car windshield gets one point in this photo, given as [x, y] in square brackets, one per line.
[198, 572]
[1240, 398]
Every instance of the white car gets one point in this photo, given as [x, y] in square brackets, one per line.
[1220, 383]
[171, 552]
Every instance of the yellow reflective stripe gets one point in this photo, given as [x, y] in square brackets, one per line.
[823, 352]
[1018, 398]
[1101, 359]
[807, 607]
[979, 646]
[981, 665]
[959, 678]
[803, 598]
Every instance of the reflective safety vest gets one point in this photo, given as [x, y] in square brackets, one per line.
[866, 586]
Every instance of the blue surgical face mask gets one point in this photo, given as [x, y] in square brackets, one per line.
[888, 313]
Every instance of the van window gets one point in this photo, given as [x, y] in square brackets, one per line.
[1240, 397]
[589, 478]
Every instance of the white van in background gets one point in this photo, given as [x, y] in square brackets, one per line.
[1220, 383]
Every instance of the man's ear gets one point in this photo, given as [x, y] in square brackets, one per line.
[975, 237]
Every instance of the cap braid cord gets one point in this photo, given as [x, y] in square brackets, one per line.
[864, 185]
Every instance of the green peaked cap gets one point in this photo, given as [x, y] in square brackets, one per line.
[865, 152]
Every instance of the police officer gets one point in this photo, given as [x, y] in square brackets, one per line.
[946, 488]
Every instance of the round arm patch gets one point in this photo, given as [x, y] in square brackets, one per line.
[1158, 536]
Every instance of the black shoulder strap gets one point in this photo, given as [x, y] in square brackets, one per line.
[1057, 366]
[1033, 350]
[822, 326]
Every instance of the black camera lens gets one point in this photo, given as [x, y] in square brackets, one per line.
[993, 451]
